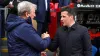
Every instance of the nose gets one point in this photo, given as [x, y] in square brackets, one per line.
[61, 19]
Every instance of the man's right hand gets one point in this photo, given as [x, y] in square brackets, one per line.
[45, 35]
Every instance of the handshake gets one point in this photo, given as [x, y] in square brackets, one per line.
[45, 35]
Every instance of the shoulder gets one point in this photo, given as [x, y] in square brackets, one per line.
[24, 26]
[82, 29]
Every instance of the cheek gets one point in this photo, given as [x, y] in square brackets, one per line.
[66, 20]
[31, 15]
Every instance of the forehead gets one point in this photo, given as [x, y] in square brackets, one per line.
[64, 13]
[33, 9]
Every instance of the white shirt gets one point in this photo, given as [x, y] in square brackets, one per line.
[46, 5]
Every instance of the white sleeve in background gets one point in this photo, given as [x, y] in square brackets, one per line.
[11, 2]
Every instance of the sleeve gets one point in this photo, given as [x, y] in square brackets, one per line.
[87, 46]
[29, 35]
[54, 43]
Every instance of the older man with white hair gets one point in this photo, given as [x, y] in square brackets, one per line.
[23, 39]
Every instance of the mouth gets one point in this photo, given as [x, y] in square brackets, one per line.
[62, 22]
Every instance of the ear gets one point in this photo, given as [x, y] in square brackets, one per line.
[71, 16]
[26, 14]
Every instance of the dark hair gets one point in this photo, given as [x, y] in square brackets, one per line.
[71, 11]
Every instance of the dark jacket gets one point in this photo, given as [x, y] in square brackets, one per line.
[41, 10]
[4, 2]
[63, 2]
[74, 41]
[23, 39]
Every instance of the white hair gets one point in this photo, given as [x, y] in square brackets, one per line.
[25, 6]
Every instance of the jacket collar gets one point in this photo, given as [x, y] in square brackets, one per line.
[73, 27]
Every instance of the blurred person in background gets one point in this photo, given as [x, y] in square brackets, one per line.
[95, 39]
[23, 39]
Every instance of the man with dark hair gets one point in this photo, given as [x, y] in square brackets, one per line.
[72, 38]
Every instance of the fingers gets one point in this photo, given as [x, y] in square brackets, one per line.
[45, 35]
[46, 32]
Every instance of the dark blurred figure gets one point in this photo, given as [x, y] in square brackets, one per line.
[43, 16]
[79, 1]
[12, 5]
[94, 1]
[95, 39]
[54, 1]
[3, 3]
